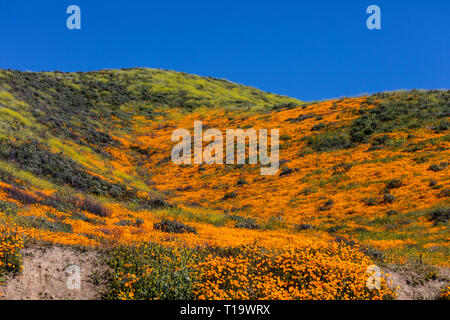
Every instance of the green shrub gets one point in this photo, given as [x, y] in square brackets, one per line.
[444, 193]
[285, 171]
[129, 223]
[124, 223]
[152, 203]
[229, 195]
[370, 201]
[301, 118]
[308, 191]
[342, 168]
[78, 215]
[327, 205]
[388, 198]
[151, 272]
[374, 253]
[442, 126]
[433, 183]
[274, 223]
[392, 213]
[439, 215]
[321, 143]
[318, 127]
[172, 226]
[241, 182]
[334, 229]
[138, 222]
[244, 222]
[382, 140]
[304, 152]
[438, 167]
[394, 184]
[303, 226]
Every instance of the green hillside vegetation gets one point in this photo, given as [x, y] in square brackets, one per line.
[71, 113]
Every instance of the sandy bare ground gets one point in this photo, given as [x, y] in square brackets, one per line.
[47, 271]
[418, 283]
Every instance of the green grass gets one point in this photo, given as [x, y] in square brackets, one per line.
[405, 226]
[6, 112]
[213, 218]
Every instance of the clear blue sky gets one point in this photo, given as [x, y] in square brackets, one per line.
[305, 49]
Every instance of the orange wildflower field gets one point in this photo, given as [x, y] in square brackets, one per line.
[363, 181]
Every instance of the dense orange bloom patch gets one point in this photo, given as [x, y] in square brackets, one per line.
[269, 196]
[298, 197]
[333, 272]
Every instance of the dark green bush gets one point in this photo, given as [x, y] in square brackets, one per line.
[301, 118]
[138, 222]
[442, 126]
[382, 140]
[124, 223]
[444, 193]
[439, 215]
[370, 201]
[334, 229]
[151, 203]
[285, 171]
[394, 184]
[78, 215]
[241, 182]
[303, 226]
[129, 223]
[244, 222]
[285, 106]
[392, 213]
[432, 183]
[318, 127]
[229, 195]
[388, 198]
[434, 168]
[342, 168]
[327, 205]
[374, 253]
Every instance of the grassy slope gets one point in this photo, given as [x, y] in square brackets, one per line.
[76, 114]
[84, 159]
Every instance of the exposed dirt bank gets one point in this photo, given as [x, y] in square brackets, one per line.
[47, 271]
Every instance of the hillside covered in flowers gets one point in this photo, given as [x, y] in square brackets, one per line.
[85, 160]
